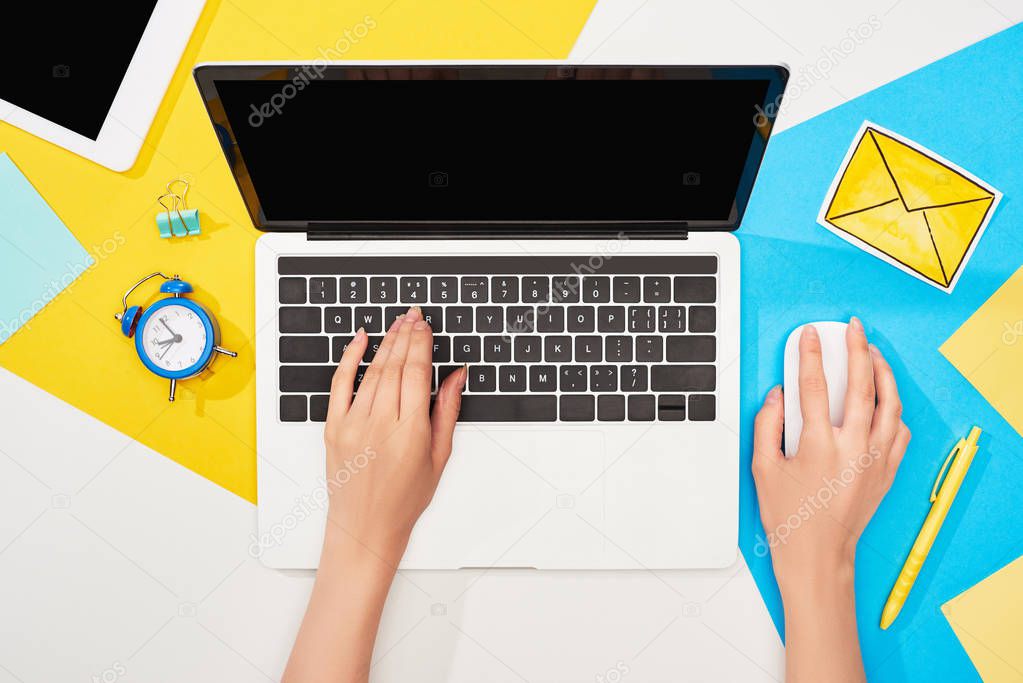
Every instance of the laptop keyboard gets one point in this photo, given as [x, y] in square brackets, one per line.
[546, 338]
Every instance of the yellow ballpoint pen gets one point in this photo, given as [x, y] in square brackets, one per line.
[942, 495]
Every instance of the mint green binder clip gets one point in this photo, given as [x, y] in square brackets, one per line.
[176, 219]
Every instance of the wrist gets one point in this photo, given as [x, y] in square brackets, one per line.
[345, 552]
[828, 584]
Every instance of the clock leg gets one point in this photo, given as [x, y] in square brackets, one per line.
[225, 352]
[173, 386]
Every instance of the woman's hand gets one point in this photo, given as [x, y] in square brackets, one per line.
[385, 454]
[816, 503]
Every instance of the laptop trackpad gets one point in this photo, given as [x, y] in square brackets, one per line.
[516, 498]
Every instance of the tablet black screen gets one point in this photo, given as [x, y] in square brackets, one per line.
[65, 61]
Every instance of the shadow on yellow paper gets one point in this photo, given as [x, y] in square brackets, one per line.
[908, 206]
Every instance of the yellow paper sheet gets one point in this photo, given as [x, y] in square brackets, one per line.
[73, 348]
[988, 350]
[988, 620]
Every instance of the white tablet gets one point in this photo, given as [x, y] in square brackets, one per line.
[90, 76]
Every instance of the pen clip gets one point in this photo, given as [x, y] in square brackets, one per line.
[944, 468]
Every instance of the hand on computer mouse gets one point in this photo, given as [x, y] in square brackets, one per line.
[815, 504]
[385, 455]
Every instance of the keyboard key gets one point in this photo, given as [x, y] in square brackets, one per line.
[671, 318]
[489, 319]
[649, 349]
[625, 289]
[610, 318]
[550, 319]
[581, 319]
[588, 349]
[572, 378]
[353, 290]
[474, 290]
[657, 290]
[618, 349]
[527, 349]
[512, 377]
[435, 316]
[299, 319]
[642, 319]
[496, 349]
[603, 378]
[458, 319]
[520, 319]
[293, 409]
[443, 371]
[291, 290]
[557, 349]
[466, 349]
[697, 290]
[441, 349]
[671, 408]
[690, 349]
[642, 408]
[504, 289]
[576, 409]
[597, 289]
[383, 290]
[634, 378]
[702, 319]
[322, 290]
[306, 378]
[338, 346]
[443, 290]
[360, 373]
[536, 289]
[682, 378]
[304, 349]
[318, 407]
[701, 407]
[370, 317]
[543, 378]
[372, 346]
[392, 313]
[413, 290]
[565, 289]
[611, 408]
[510, 408]
[482, 378]
[337, 319]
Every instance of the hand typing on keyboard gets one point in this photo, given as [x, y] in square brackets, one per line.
[385, 455]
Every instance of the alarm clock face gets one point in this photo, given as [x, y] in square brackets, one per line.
[174, 338]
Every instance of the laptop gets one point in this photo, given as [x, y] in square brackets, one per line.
[566, 230]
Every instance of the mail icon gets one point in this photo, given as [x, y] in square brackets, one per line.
[908, 206]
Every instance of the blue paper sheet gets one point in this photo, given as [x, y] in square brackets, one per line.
[39, 258]
[966, 107]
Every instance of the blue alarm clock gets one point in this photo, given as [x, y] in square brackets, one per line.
[175, 338]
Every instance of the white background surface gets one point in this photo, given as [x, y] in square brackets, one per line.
[117, 564]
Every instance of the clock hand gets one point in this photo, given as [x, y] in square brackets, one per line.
[164, 323]
[166, 349]
[164, 342]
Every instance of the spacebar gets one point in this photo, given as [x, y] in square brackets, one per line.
[476, 408]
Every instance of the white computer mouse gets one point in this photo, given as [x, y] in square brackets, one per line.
[836, 369]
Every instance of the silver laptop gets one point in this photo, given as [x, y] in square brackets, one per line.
[567, 232]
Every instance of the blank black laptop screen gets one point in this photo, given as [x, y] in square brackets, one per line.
[372, 145]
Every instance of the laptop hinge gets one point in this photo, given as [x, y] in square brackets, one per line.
[434, 232]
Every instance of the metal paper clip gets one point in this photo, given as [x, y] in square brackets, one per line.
[176, 219]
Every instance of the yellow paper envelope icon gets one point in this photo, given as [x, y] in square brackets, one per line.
[908, 206]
